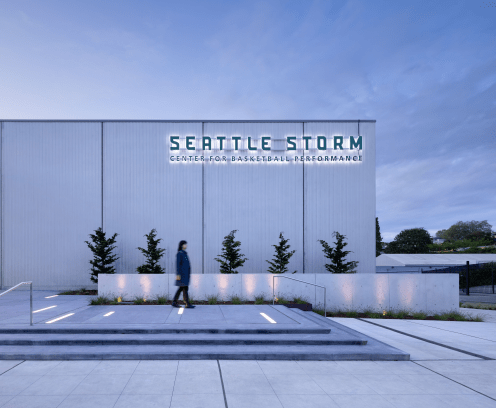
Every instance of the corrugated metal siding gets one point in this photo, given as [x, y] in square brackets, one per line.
[260, 200]
[144, 190]
[341, 197]
[1, 206]
[52, 197]
[51, 201]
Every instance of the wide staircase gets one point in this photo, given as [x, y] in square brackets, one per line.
[237, 332]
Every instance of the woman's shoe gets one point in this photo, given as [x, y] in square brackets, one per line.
[190, 306]
[174, 304]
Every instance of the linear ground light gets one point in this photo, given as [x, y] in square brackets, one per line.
[181, 310]
[60, 318]
[108, 314]
[46, 308]
[268, 318]
[48, 297]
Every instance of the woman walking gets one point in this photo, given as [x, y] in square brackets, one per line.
[182, 276]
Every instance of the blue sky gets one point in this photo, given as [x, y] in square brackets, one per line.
[425, 70]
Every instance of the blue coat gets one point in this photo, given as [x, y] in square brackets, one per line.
[183, 269]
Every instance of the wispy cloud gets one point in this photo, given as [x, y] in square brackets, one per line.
[436, 192]
[425, 71]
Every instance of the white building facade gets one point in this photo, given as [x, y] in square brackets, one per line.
[191, 180]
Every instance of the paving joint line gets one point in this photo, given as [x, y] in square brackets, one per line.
[272, 388]
[466, 386]
[222, 313]
[117, 400]
[222, 383]
[428, 341]
[451, 331]
[70, 393]
[13, 367]
[284, 314]
[173, 385]
[445, 359]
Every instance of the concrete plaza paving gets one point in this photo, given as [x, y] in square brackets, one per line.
[479, 298]
[68, 328]
[436, 376]
[243, 384]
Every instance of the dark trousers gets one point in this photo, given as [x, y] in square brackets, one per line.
[183, 289]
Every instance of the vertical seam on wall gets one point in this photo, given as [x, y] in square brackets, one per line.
[1, 197]
[303, 135]
[102, 172]
[203, 206]
[358, 136]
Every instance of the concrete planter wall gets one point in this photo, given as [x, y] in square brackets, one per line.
[413, 292]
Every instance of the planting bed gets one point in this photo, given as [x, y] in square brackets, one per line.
[306, 307]
[451, 316]
[87, 292]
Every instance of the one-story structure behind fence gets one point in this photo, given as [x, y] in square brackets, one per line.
[417, 263]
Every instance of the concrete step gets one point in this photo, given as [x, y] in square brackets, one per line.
[205, 352]
[236, 333]
[52, 339]
[170, 330]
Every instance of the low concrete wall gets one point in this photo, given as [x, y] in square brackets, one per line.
[414, 292]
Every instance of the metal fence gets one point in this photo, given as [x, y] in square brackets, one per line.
[474, 278]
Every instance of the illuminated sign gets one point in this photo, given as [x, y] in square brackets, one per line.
[265, 149]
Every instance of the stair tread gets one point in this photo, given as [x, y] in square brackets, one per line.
[245, 352]
[172, 331]
[166, 336]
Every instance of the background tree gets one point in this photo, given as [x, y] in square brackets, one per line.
[279, 263]
[475, 250]
[337, 255]
[478, 242]
[103, 258]
[410, 241]
[152, 254]
[231, 258]
[378, 238]
[464, 230]
[481, 236]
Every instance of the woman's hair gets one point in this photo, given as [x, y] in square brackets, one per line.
[181, 243]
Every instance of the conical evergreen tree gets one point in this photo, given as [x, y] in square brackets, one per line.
[103, 258]
[231, 258]
[337, 256]
[152, 254]
[378, 238]
[279, 263]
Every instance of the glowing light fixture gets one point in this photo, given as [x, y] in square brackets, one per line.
[60, 318]
[180, 311]
[46, 308]
[48, 297]
[108, 314]
[119, 299]
[268, 318]
[384, 313]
